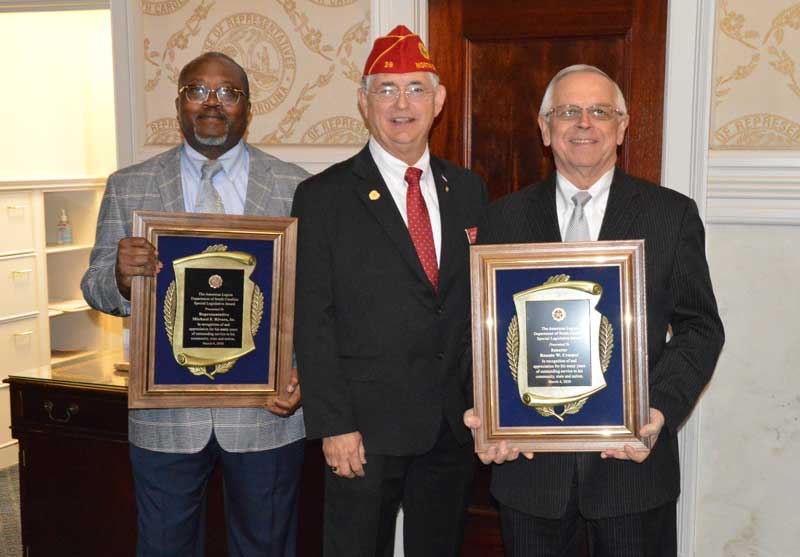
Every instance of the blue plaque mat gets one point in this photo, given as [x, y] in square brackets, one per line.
[252, 368]
[603, 407]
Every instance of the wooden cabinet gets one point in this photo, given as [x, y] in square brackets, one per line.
[76, 487]
[76, 493]
[43, 317]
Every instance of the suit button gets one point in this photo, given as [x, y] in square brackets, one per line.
[440, 356]
[440, 310]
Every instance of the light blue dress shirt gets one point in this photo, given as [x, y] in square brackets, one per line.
[231, 183]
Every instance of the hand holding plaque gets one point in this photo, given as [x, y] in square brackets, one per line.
[214, 326]
[559, 346]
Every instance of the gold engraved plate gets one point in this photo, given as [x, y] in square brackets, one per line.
[558, 345]
[212, 310]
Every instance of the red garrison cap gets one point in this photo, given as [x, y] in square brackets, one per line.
[401, 51]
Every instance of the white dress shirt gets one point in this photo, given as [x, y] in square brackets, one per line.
[231, 183]
[595, 208]
[393, 171]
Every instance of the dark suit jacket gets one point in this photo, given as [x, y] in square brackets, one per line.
[679, 296]
[378, 350]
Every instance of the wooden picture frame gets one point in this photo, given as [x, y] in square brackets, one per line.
[559, 345]
[214, 328]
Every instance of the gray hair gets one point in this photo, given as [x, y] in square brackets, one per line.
[367, 80]
[547, 101]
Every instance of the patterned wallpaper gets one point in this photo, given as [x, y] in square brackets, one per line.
[756, 95]
[303, 57]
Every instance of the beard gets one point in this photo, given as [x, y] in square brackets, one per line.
[211, 141]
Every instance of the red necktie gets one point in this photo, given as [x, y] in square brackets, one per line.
[419, 226]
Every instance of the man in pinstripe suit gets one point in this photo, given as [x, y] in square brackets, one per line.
[173, 451]
[626, 498]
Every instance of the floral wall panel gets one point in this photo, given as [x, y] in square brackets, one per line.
[756, 95]
[303, 57]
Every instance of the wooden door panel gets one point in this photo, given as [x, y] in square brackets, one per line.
[496, 58]
[503, 140]
[514, 19]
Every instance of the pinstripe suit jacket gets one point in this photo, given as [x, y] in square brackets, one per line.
[679, 295]
[155, 185]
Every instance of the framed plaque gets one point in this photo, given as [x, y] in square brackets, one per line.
[559, 345]
[214, 327]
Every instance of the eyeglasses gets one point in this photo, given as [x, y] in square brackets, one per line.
[391, 93]
[228, 96]
[597, 112]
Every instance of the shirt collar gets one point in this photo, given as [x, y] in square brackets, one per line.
[232, 159]
[567, 189]
[395, 166]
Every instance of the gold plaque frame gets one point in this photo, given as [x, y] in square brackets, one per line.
[146, 352]
[492, 269]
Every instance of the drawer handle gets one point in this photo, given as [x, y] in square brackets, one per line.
[23, 334]
[72, 409]
[21, 272]
[15, 209]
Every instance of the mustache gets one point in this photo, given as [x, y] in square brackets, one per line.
[212, 113]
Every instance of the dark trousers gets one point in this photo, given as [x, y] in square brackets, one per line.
[260, 500]
[360, 513]
[652, 533]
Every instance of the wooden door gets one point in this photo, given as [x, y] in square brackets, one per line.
[497, 57]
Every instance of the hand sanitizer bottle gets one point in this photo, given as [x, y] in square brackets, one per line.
[64, 229]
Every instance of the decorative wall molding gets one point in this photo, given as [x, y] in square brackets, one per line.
[50, 5]
[125, 111]
[684, 163]
[754, 187]
[386, 14]
[53, 183]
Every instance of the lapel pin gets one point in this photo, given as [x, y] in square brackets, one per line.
[374, 195]
[446, 187]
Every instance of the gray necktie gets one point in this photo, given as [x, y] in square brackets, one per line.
[578, 227]
[208, 200]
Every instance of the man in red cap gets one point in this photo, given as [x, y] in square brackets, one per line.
[382, 315]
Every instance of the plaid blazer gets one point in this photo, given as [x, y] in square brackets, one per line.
[155, 185]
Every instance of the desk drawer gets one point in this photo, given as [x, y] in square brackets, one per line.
[19, 345]
[16, 222]
[97, 413]
[18, 276]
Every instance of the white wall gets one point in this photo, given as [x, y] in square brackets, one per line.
[750, 434]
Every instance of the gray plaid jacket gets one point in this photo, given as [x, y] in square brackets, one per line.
[155, 185]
